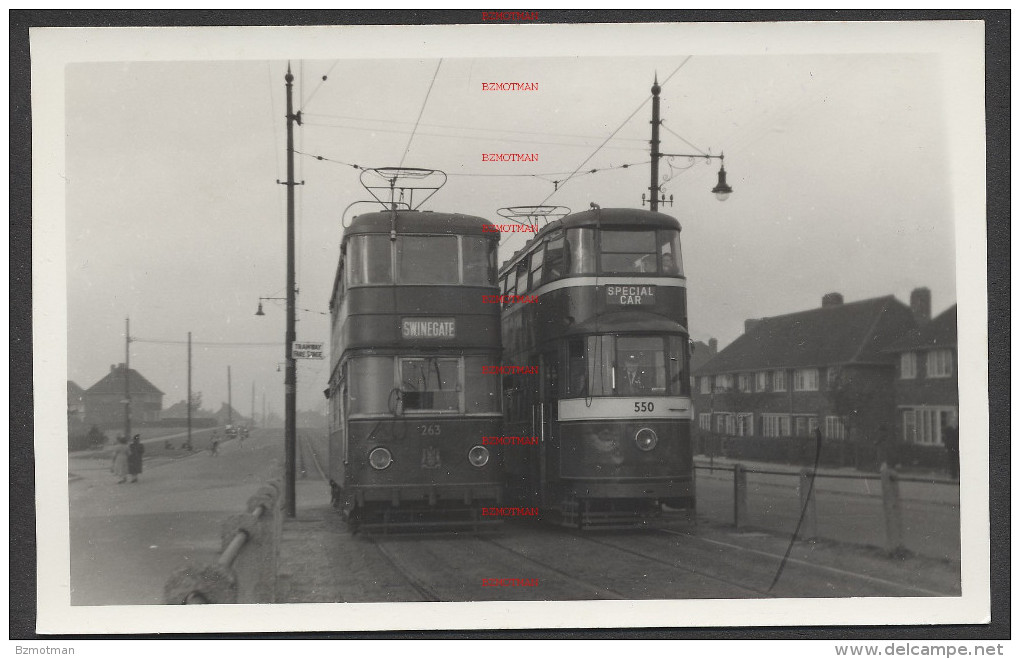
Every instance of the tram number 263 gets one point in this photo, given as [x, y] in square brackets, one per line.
[642, 406]
[430, 430]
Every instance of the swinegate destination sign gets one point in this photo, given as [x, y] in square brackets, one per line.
[428, 328]
[307, 351]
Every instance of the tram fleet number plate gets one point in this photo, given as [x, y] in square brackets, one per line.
[630, 295]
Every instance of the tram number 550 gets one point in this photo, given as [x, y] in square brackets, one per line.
[430, 430]
[644, 407]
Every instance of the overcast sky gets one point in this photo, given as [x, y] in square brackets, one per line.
[839, 166]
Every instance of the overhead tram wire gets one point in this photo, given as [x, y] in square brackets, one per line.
[420, 113]
[618, 128]
[234, 344]
[308, 100]
[683, 139]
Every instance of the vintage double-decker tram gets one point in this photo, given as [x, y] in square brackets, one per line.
[408, 399]
[611, 402]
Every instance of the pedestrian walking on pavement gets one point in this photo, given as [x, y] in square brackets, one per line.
[214, 448]
[134, 459]
[951, 438]
[120, 459]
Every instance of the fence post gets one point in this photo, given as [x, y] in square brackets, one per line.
[893, 513]
[809, 529]
[739, 494]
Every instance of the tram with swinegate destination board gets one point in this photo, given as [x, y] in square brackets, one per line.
[610, 400]
[411, 335]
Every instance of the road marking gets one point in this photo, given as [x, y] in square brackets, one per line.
[825, 568]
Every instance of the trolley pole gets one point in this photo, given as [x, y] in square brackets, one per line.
[127, 377]
[290, 381]
[654, 188]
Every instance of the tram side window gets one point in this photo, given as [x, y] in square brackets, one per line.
[428, 259]
[640, 365]
[554, 265]
[368, 260]
[536, 267]
[581, 250]
[510, 281]
[522, 276]
[371, 386]
[628, 251]
[479, 261]
[481, 392]
[669, 253]
[430, 383]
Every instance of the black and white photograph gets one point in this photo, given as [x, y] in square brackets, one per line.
[510, 325]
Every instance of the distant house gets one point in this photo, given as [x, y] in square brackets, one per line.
[701, 352]
[75, 402]
[926, 386]
[104, 401]
[824, 368]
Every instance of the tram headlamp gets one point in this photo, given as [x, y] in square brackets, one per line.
[646, 439]
[478, 456]
[380, 458]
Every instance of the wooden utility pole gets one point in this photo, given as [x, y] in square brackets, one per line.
[127, 378]
[189, 389]
[290, 381]
[230, 400]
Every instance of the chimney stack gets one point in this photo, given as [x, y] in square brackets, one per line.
[920, 305]
[750, 323]
[713, 346]
[832, 300]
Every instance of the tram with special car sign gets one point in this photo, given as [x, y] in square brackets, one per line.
[409, 403]
[610, 401]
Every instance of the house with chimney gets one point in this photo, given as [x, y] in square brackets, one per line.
[75, 403]
[104, 401]
[827, 368]
[926, 389]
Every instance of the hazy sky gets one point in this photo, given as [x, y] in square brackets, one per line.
[839, 166]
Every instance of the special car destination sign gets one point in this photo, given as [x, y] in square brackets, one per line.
[428, 328]
[630, 295]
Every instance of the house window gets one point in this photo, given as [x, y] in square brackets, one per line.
[731, 428]
[723, 382]
[801, 426]
[831, 375]
[834, 428]
[940, 363]
[705, 421]
[908, 365]
[812, 424]
[761, 380]
[779, 381]
[723, 423]
[805, 379]
[706, 384]
[923, 425]
[744, 381]
[776, 425]
[745, 424]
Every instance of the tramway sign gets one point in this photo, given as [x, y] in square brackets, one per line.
[307, 351]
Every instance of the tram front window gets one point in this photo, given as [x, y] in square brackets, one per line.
[669, 253]
[628, 251]
[430, 384]
[368, 260]
[479, 261]
[625, 366]
[428, 259]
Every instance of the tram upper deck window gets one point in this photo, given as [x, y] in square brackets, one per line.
[368, 260]
[430, 383]
[626, 251]
[522, 276]
[479, 260]
[555, 263]
[536, 267]
[581, 251]
[669, 253]
[428, 259]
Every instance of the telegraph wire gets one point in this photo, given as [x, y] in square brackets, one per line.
[420, 113]
[683, 139]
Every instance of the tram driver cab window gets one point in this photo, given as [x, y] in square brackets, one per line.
[430, 383]
[641, 365]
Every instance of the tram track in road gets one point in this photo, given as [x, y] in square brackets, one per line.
[599, 591]
[673, 564]
[306, 446]
[417, 584]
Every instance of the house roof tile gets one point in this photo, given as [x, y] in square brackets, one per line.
[940, 332]
[113, 383]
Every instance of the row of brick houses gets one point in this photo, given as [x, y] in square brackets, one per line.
[102, 404]
[876, 378]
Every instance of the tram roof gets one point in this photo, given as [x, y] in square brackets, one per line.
[419, 222]
[603, 216]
